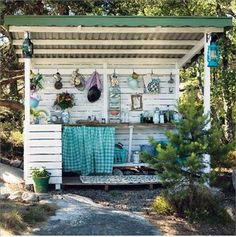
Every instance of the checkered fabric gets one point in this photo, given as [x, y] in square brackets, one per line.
[88, 150]
[154, 86]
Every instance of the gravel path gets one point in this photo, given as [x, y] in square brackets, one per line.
[79, 215]
[133, 200]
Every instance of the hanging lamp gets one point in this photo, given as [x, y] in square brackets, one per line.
[27, 47]
[213, 55]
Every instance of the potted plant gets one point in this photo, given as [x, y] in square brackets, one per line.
[36, 113]
[40, 178]
[64, 101]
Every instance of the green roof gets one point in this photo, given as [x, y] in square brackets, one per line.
[121, 21]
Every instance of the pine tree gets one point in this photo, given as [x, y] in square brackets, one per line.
[181, 162]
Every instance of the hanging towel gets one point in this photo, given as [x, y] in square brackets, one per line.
[94, 80]
[88, 150]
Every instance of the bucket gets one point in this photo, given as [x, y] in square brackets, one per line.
[41, 184]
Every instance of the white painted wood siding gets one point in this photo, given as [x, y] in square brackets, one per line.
[45, 150]
[83, 108]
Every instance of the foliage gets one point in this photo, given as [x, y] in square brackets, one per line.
[16, 139]
[37, 112]
[162, 205]
[64, 100]
[221, 153]
[182, 159]
[36, 81]
[17, 217]
[40, 173]
[204, 206]
[223, 77]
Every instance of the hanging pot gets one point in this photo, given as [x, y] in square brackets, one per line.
[133, 83]
[58, 84]
[93, 94]
[135, 76]
[78, 80]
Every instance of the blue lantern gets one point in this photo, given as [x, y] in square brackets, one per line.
[213, 55]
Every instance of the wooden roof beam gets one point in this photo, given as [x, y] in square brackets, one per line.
[80, 29]
[195, 50]
[108, 42]
[119, 61]
[107, 51]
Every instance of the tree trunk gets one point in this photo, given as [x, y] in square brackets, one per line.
[230, 128]
[229, 124]
[14, 105]
[199, 77]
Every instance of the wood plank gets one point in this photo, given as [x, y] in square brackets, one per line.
[121, 71]
[134, 30]
[107, 51]
[48, 150]
[45, 158]
[131, 165]
[107, 42]
[44, 135]
[48, 165]
[45, 143]
[195, 50]
[120, 61]
[45, 127]
[54, 172]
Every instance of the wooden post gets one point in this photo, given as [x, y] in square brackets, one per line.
[207, 94]
[27, 116]
[131, 129]
[177, 82]
[105, 93]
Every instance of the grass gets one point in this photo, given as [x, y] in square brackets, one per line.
[17, 217]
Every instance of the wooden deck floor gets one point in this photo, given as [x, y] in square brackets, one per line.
[76, 181]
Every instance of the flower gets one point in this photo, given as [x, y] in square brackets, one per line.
[64, 100]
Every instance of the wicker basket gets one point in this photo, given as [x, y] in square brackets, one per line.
[120, 156]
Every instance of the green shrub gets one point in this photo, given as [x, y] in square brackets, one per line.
[16, 138]
[162, 205]
[12, 219]
[201, 205]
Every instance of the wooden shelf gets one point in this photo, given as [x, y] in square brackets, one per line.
[131, 165]
[124, 125]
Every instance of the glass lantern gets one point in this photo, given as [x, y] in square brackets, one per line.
[213, 55]
[27, 48]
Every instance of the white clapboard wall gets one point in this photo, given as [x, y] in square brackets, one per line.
[44, 149]
[83, 108]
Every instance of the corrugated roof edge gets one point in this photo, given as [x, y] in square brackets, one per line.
[119, 21]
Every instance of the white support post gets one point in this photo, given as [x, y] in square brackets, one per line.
[27, 115]
[207, 94]
[177, 83]
[131, 130]
[105, 93]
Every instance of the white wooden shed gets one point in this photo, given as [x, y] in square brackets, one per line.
[142, 44]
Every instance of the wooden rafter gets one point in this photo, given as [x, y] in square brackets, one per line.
[120, 61]
[107, 42]
[80, 29]
[107, 51]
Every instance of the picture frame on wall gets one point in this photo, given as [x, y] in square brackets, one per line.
[136, 102]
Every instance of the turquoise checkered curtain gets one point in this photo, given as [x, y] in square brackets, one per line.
[88, 150]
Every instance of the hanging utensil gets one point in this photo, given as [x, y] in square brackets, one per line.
[58, 84]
